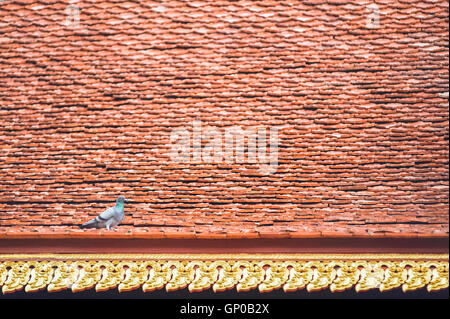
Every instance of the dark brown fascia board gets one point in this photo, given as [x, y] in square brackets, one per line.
[212, 246]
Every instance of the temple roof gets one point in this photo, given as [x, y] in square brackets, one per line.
[88, 106]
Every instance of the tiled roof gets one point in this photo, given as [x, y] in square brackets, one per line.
[88, 105]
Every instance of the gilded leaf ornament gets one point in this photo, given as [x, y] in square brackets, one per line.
[222, 272]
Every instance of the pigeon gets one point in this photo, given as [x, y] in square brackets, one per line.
[110, 218]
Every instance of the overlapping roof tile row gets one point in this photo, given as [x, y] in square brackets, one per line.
[90, 92]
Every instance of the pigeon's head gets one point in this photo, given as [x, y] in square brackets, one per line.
[122, 199]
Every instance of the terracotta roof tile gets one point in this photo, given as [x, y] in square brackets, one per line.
[87, 111]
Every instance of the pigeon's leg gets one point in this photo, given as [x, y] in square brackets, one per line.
[110, 224]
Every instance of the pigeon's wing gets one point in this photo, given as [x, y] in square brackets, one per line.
[101, 220]
[107, 214]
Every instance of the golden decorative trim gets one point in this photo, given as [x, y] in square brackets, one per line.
[220, 272]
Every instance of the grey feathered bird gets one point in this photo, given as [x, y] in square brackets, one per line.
[110, 218]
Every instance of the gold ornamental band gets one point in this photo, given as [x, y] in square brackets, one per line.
[220, 272]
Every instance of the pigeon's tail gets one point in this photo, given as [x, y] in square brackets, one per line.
[90, 224]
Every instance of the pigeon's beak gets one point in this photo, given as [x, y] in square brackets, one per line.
[126, 201]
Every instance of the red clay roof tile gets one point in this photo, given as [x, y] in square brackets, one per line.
[87, 111]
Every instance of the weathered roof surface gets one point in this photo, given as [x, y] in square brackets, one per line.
[87, 110]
